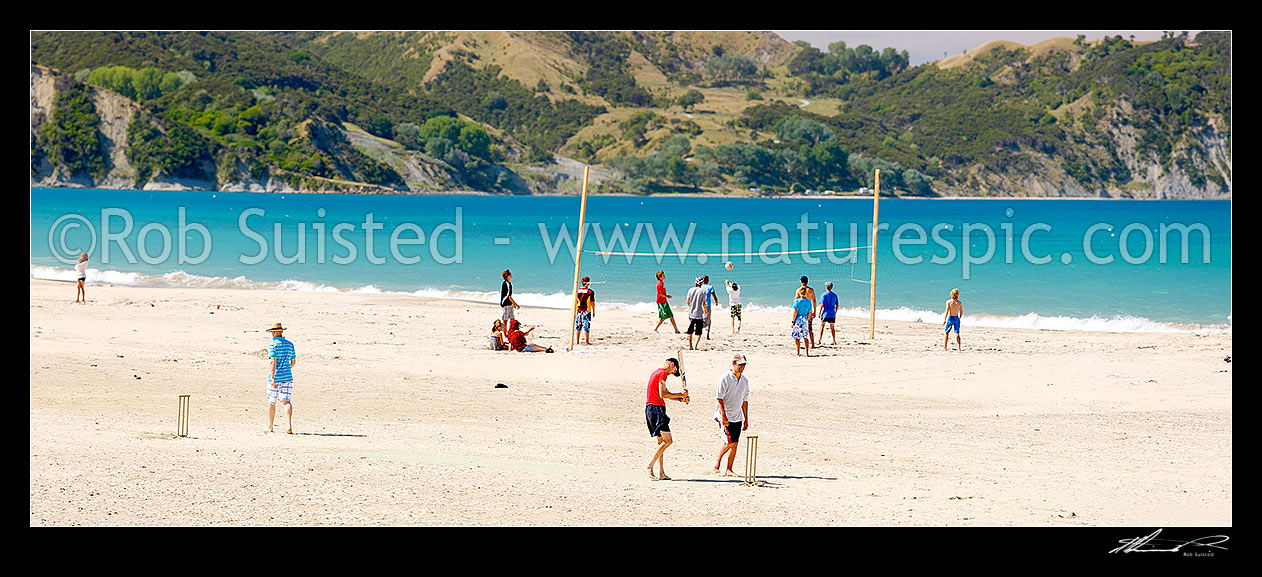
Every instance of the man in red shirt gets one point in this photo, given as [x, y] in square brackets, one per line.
[655, 414]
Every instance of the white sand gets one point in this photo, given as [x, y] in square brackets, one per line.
[398, 420]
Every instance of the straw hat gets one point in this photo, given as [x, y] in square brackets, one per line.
[276, 328]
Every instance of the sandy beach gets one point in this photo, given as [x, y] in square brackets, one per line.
[398, 420]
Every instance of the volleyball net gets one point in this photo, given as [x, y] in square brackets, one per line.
[749, 269]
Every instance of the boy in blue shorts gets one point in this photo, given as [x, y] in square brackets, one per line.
[951, 319]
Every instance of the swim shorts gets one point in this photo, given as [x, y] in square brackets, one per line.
[655, 417]
[695, 327]
[952, 322]
[736, 311]
[282, 392]
[583, 321]
[663, 311]
[732, 432]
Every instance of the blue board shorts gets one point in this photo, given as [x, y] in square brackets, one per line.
[583, 321]
[952, 322]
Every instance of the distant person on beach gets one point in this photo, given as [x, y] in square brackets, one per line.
[496, 341]
[698, 310]
[81, 269]
[663, 307]
[586, 311]
[280, 378]
[506, 297]
[810, 322]
[517, 339]
[734, 304]
[732, 411]
[828, 312]
[951, 319]
[655, 414]
[802, 312]
[711, 301]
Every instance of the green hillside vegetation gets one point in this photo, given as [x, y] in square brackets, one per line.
[69, 137]
[695, 111]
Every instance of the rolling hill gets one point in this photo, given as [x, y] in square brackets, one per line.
[703, 112]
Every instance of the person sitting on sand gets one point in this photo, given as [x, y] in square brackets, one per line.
[496, 341]
[951, 319]
[517, 339]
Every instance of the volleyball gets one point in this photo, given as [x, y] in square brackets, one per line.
[728, 265]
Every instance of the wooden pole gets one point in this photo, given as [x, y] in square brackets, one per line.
[578, 256]
[876, 199]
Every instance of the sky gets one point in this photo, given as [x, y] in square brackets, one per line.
[927, 45]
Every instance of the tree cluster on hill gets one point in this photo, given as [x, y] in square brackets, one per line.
[824, 72]
[144, 84]
[68, 138]
[607, 75]
[543, 125]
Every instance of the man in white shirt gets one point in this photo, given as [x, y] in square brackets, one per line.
[732, 411]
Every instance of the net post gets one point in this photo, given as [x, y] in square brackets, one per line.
[578, 256]
[876, 199]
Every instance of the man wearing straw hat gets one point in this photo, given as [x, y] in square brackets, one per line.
[280, 380]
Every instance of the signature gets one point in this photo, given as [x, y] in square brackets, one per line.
[1150, 544]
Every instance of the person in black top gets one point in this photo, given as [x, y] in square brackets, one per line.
[506, 297]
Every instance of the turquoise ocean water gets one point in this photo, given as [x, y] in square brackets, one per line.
[1048, 264]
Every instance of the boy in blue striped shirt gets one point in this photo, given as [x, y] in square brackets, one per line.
[280, 378]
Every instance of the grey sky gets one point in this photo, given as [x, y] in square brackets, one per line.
[928, 45]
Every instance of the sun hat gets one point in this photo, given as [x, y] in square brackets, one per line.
[738, 358]
[276, 327]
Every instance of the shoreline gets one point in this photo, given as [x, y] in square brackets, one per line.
[718, 195]
[1000, 321]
